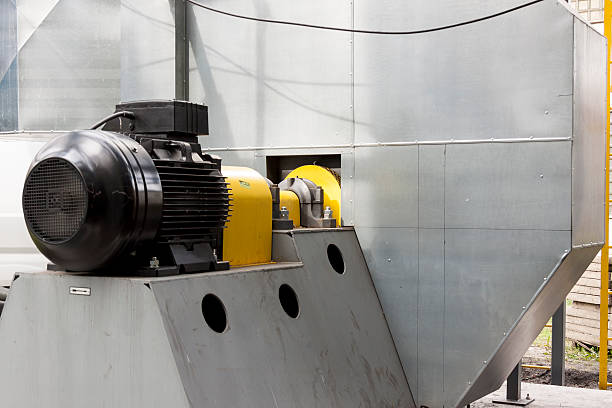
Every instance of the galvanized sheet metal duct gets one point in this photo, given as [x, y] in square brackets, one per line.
[472, 159]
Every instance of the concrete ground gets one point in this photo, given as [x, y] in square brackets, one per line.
[549, 396]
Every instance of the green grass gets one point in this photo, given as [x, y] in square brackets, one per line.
[573, 352]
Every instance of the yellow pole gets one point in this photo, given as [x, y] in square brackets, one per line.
[604, 292]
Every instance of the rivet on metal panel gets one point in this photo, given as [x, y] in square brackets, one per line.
[388, 259]
[484, 362]
[541, 176]
[524, 307]
[546, 112]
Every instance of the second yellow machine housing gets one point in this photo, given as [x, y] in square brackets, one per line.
[308, 197]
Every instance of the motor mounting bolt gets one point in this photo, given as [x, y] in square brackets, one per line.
[284, 213]
[327, 214]
[154, 262]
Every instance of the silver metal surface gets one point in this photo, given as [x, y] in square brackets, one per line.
[272, 83]
[378, 185]
[471, 157]
[431, 318]
[557, 358]
[109, 349]
[516, 186]
[152, 49]
[490, 276]
[492, 79]
[8, 66]
[588, 187]
[283, 247]
[68, 62]
[144, 342]
[392, 255]
[431, 186]
[540, 308]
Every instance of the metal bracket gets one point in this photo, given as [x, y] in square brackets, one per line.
[513, 389]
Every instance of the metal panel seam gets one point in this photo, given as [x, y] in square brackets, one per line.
[444, 278]
[378, 144]
[573, 131]
[418, 240]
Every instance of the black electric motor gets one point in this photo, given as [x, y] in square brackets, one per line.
[138, 197]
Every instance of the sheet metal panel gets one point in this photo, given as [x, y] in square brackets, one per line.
[432, 162]
[108, 349]
[588, 154]
[392, 255]
[68, 63]
[148, 49]
[429, 389]
[490, 276]
[347, 183]
[500, 78]
[541, 307]
[143, 342]
[386, 186]
[509, 186]
[507, 78]
[338, 352]
[8, 66]
[270, 85]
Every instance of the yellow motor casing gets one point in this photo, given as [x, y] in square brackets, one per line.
[324, 178]
[291, 201]
[247, 239]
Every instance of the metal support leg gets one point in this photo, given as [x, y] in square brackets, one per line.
[513, 389]
[513, 383]
[558, 347]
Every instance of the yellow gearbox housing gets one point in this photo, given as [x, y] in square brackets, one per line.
[326, 179]
[247, 239]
